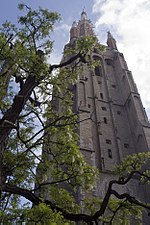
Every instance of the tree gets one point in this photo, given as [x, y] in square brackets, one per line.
[33, 132]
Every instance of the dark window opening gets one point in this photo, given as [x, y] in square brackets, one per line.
[104, 108]
[118, 112]
[101, 95]
[126, 145]
[105, 120]
[98, 71]
[109, 62]
[113, 85]
[108, 141]
[89, 106]
[109, 153]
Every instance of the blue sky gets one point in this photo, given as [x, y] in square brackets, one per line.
[69, 10]
[128, 21]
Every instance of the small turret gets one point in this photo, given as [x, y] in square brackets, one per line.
[111, 42]
[74, 24]
[74, 31]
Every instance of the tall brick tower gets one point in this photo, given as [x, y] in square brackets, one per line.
[117, 124]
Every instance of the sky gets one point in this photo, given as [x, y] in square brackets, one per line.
[128, 21]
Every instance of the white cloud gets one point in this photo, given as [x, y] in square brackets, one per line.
[129, 21]
[54, 58]
[63, 28]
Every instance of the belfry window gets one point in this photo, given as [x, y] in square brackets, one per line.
[98, 71]
[109, 153]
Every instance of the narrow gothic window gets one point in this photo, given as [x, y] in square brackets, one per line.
[89, 106]
[105, 120]
[82, 92]
[98, 71]
[109, 153]
[101, 95]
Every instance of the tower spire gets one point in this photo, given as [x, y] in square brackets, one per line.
[111, 41]
[83, 28]
[73, 31]
[84, 15]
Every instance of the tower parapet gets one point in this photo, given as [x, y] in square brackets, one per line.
[83, 28]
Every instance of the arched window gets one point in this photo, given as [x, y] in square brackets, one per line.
[98, 68]
[109, 62]
[82, 94]
[139, 107]
[140, 137]
[98, 71]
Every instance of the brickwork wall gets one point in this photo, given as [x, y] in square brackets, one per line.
[117, 124]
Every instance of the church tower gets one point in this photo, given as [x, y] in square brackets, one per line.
[115, 123]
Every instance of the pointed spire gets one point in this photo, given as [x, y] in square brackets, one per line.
[111, 41]
[109, 35]
[84, 15]
[74, 24]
